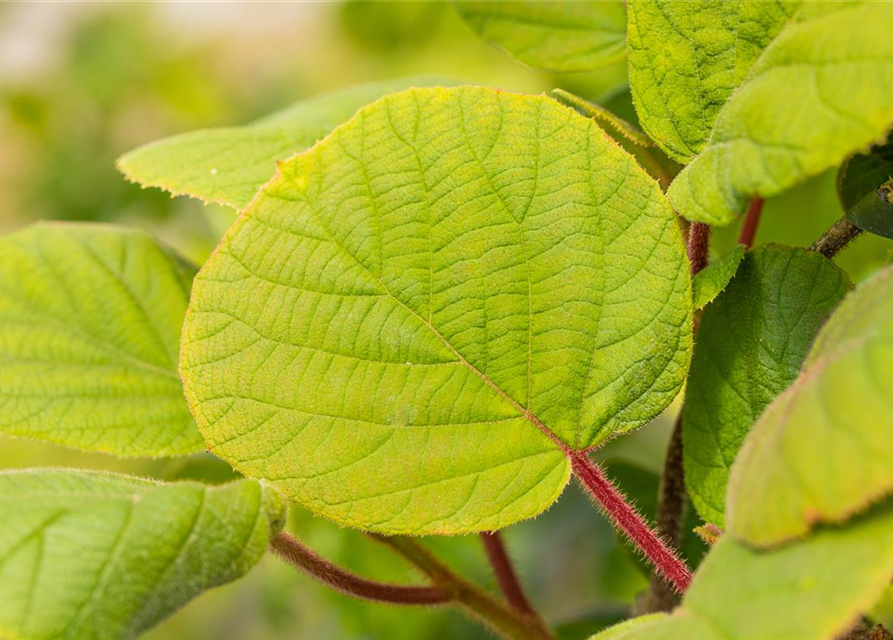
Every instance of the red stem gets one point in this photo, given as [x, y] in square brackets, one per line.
[505, 573]
[751, 222]
[698, 245]
[295, 553]
[625, 518]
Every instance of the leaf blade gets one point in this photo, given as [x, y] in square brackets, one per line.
[89, 340]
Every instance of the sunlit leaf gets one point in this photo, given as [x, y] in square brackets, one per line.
[90, 320]
[811, 590]
[561, 35]
[229, 164]
[751, 342]
[101, 556]
[756, 100]
[823, 450]
[415, 317]
[715, 277]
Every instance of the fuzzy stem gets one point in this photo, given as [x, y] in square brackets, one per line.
[508, 623]
[625, 518]
[505, 573]
[295, 553]
[698, 245]
[751, 222]
[836, 238]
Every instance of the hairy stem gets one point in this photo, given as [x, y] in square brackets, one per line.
[698, 245]
[507, 622]
[836, 238]
[505, 573]
[625, 518]
[295, 553]
[751, 222]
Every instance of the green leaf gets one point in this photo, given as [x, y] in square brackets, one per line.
[820, 90]
[863, 173]
[229, 164]
[416, 317]
[90, 320]
[865, 189]
[712, 280]
[101, 556]
[687, 58]
[751, 343]
[823, 450]
[812, 590]
[561, 35]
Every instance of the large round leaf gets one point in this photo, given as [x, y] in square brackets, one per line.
[416, 319]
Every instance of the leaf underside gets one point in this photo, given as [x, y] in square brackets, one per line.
[416, 317]
[751, 343]
[90, 320]
[100, 556]
[560, 35]
[228, 165]
[823, 450]
[811, 590]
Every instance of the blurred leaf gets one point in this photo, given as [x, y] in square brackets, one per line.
[561, 35]
[90, 320]
[863, 173]
[823, 450]
[712, 280]
[95, 555]
[228, 165]
[438, 266]
[874, 212]
[585, 626]
[811, 590]
[389, 26]
[825, 102]
[751, 342]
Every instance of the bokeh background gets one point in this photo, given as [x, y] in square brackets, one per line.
[82, 83]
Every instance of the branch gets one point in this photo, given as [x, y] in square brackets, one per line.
[751, 222]
[505, 621]
[625, 518]
[836, 238]
[505, 573]
[295, 553]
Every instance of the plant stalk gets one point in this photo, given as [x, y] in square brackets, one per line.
[503, 620]
[505, 573]
[751, 222]
[839, 235]
[295, 553]
[624, 516]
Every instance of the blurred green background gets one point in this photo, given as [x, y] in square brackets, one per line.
[82, 83]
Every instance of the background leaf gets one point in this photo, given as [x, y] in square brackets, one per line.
[687, 58]
[821, 90]
[823, 450]
[559, 35]
[858, 187]
[712, 280]
[90, 320]
[100, 556]
[229, 164]
[811, 590]
[415, 317]
[751, 343]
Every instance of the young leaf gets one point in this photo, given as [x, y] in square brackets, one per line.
[96, 555]
[751, 343]
[576, 35]
[687, 58]
[755, 121]
[712, 280]
[823, 450]
[229, 164]
[416, 319]
[812, 590]
[90, 320]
